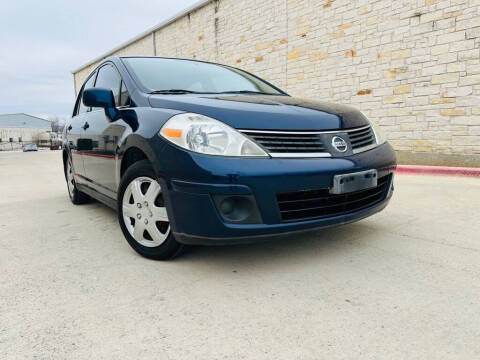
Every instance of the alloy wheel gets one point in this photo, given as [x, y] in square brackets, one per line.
[144, 212]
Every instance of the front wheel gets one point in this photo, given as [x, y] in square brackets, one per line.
[142, 214]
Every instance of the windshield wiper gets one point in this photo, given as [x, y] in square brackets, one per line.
[173, 91]
[183, 91]
[245, 92]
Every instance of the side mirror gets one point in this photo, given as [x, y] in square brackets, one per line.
[99, 97]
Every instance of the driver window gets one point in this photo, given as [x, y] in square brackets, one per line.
[108, 78]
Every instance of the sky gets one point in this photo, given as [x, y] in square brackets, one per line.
[43, 41]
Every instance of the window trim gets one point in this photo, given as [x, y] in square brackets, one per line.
[123, 85]
[80, 94]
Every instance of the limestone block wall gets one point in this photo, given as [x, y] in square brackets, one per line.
[412, 66]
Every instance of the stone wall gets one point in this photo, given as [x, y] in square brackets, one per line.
[412, 66]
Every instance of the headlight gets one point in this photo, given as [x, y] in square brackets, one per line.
[378, 133]
[205, 135]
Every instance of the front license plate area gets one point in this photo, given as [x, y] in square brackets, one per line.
[346, 183]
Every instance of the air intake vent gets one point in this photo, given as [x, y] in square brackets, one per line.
[361, 137]
[315, 204]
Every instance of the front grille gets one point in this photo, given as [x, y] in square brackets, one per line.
[315, 204]
[278, 142]
[361, 137]
[284, 143]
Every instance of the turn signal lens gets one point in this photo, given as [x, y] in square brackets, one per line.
[172, 133]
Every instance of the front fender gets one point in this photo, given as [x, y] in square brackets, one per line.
[143, 124]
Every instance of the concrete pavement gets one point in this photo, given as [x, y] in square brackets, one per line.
[403, 284]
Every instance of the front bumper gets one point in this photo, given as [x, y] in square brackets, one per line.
[193, 180]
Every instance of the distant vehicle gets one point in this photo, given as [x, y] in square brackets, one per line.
[191, 152]
[30, 147]
[49, 139]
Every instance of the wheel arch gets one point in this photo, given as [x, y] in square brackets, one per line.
[132, 155]
[134, 148]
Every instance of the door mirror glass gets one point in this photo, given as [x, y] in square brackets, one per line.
[103, 98]
[98, 97]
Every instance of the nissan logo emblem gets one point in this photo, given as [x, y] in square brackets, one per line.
[339, 144]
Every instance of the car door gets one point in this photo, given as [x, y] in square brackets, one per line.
[75, 132]
[101, 160]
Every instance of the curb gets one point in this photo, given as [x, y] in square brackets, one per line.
[438, 170]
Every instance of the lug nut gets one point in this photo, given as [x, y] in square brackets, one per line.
[145, 203]
[139, 216]
[146, 221]
[150, 214]
[139, 205]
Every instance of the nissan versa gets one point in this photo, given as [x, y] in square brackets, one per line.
[190, 152]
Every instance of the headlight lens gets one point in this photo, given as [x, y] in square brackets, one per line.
[378, 133]
[205, 135]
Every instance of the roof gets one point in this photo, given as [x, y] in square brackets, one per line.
[198, 4]
[23, 121]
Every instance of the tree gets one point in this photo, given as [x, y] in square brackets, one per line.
[53, 123]
[57, 124]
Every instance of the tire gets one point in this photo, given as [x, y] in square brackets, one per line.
[143, 216]
[76, 196]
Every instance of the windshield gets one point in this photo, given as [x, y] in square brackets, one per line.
[159, 74]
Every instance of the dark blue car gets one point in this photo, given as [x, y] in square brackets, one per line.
[191, 152]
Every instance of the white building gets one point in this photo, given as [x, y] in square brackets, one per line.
[18, 129]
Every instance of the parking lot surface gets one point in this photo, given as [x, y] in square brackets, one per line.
[403, 284]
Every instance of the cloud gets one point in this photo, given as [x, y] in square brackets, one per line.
[42, 41]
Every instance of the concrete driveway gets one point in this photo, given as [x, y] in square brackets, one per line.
[404, 284]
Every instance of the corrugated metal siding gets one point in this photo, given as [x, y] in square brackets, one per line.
[23, 121]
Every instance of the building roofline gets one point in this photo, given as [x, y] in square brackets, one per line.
[36, 117]
[198, 4]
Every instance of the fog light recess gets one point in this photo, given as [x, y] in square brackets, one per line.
[237, 209]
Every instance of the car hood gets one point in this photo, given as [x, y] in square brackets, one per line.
[265, 112]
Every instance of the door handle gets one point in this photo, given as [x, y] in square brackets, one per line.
[69, 127]
[86, 125]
